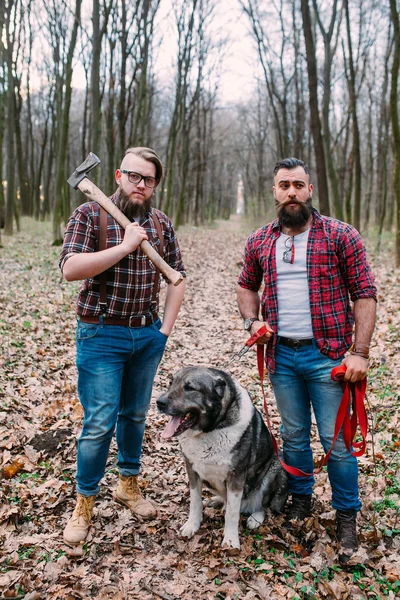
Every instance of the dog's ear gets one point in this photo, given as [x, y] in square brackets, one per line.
[220, 385]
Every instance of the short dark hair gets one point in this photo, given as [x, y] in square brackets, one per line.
[290, 163]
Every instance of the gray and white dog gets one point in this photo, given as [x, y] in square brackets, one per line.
[226, 444]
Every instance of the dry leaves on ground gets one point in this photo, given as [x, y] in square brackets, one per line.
[123, 558]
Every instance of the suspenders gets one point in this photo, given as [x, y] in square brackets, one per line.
[103, 246]
[103, 275]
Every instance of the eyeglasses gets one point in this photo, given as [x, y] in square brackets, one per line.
[288, 254]
[136, 178]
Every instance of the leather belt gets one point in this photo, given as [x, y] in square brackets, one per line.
[293, 343]
[133, 321]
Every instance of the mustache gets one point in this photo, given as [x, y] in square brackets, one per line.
[283, 205]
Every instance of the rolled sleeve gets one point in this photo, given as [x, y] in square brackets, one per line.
[79, 236]
[251, 274]
[172, 251]
[357, 271]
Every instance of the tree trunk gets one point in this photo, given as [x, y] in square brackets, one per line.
[26, 207]
[326, 101]
[356, 132]
[394, 108]
[10, 147]
[61, 208]
[323, 190]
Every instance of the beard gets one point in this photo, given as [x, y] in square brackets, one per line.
[297, 218]
[131, 208]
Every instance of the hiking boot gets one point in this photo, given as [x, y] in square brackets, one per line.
[346, 530]
[128, 494]
[300, 508]
[78, 526]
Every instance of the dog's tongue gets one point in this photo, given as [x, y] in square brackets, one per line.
[171, 427]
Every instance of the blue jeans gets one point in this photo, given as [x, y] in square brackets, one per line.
[116, 370]
[301, 381]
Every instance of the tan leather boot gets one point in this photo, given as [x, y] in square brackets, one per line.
[128, 494]
[78, 526]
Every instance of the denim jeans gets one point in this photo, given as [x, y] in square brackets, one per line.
[116, 370]
[301, 381]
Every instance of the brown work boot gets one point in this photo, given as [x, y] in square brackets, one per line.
[346, 530]
[128, 494]
[78, 526]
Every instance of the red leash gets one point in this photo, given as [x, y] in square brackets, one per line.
[353, 393]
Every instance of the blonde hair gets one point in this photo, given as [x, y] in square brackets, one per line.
[151, 156]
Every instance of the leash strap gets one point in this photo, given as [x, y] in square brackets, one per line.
[353, 394]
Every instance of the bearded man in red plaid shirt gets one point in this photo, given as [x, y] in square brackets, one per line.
[311, 267]
[120, 339]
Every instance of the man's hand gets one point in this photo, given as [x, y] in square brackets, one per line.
[133, 237]
[256, 325]
[356, 368]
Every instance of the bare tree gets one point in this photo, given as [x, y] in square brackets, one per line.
[185, 21]
[143, 92]
[128, 41]
[330, 39]
[382, 148]
[99, 22]
[10, 32]
[278, 79]
[3, 99]
[394, 107]
[63, 54]
[356, 152]
[319, 149]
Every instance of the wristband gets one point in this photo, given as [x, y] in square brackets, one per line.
[360, 354]
[361, 348]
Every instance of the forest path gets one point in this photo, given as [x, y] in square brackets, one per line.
[40, 418]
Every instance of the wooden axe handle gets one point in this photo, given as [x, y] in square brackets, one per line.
[93, 193]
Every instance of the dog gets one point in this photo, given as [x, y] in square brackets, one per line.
[226, 444]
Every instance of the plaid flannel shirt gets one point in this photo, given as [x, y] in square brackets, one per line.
[130, 281]
[337, 269]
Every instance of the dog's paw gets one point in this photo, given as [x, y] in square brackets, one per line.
[255, 520]
[216, 502]
[189, 528]
[231, 542]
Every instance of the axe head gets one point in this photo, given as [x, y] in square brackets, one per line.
[90, 162]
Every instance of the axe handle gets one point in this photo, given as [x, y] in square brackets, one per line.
[93, 193]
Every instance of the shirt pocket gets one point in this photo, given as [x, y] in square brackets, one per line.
[329, 270]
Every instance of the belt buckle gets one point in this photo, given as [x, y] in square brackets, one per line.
[130, 320]
[296, 344]
[137, 317]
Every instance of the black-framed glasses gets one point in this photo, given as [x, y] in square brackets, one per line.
[136, 178]
[288, 253]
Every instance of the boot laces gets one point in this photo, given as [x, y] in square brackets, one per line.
[83, 508]
[132, 486]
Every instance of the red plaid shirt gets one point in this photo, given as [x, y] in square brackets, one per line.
[129, 282]
[338, 271]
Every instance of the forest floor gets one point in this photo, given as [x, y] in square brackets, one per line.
[122, 558]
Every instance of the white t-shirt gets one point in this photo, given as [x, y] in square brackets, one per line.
[294, 315]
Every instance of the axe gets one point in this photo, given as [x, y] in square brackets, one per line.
[80, 181]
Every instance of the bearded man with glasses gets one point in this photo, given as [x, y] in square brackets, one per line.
[120, 339]
[312, 267]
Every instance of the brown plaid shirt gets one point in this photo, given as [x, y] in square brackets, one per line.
[129, 282]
